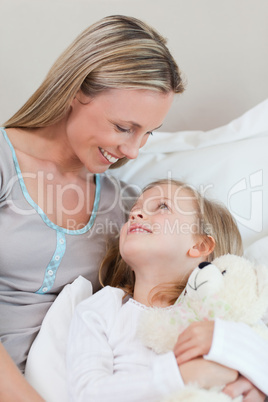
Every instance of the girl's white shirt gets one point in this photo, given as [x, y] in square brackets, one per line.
[106, 361]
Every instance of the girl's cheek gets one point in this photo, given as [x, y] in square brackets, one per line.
[123, 233]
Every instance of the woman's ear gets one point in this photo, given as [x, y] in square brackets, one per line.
[203, 247]
[81, 98]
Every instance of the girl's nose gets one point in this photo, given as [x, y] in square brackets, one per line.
[136, 214]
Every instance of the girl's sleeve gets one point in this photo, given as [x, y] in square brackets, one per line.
[238, 346]
[92, 375]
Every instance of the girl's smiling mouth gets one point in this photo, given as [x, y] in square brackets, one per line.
[138, 228]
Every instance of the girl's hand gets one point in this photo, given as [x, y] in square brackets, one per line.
[244, 387]
[194, 341]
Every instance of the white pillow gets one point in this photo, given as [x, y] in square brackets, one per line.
[45, 368]
[229, 164]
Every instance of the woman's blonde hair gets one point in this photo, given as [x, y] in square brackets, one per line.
[116, 52]
[213, 220]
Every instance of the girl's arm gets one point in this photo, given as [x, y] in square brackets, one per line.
[231, 344]
[207, 374]
[93, 373]
[238, 346]
[196, 369]
[13, 386]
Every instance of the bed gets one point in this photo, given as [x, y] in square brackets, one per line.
[215, 136]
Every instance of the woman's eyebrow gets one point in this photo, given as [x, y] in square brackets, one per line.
[139, 126]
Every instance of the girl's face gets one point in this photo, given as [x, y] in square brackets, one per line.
[161, 231]
[113, 125]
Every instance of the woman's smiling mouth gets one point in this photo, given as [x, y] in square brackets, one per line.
[110, 158]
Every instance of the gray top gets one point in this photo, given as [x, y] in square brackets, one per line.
[38, 258]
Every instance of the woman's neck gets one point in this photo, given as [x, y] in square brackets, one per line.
[48, 144]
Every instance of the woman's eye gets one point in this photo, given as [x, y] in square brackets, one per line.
[122, 130]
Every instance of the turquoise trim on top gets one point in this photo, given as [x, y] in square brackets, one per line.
[51, 270]
[41, 213]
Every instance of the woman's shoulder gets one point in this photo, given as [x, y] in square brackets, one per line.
[5, 151]
[7, 170]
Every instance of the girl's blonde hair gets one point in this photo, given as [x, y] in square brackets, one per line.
[213, 220]
[116, 52]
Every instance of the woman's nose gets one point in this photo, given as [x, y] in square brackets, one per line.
[130, 149]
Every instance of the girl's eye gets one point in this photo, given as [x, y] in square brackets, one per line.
[122, 130]
[163, 205]
[150, 133]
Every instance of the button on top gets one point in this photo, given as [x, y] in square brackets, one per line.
[61, 241]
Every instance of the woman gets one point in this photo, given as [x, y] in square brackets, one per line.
[97, 106]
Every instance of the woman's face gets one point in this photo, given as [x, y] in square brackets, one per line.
[161, 230]
[113, 125]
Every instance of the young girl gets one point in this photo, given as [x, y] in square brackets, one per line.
[171, 229]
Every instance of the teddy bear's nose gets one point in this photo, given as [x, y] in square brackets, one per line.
[203, 264]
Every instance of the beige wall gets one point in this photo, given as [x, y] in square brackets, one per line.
[221, 45]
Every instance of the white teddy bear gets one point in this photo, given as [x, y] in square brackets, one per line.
[232, 288]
